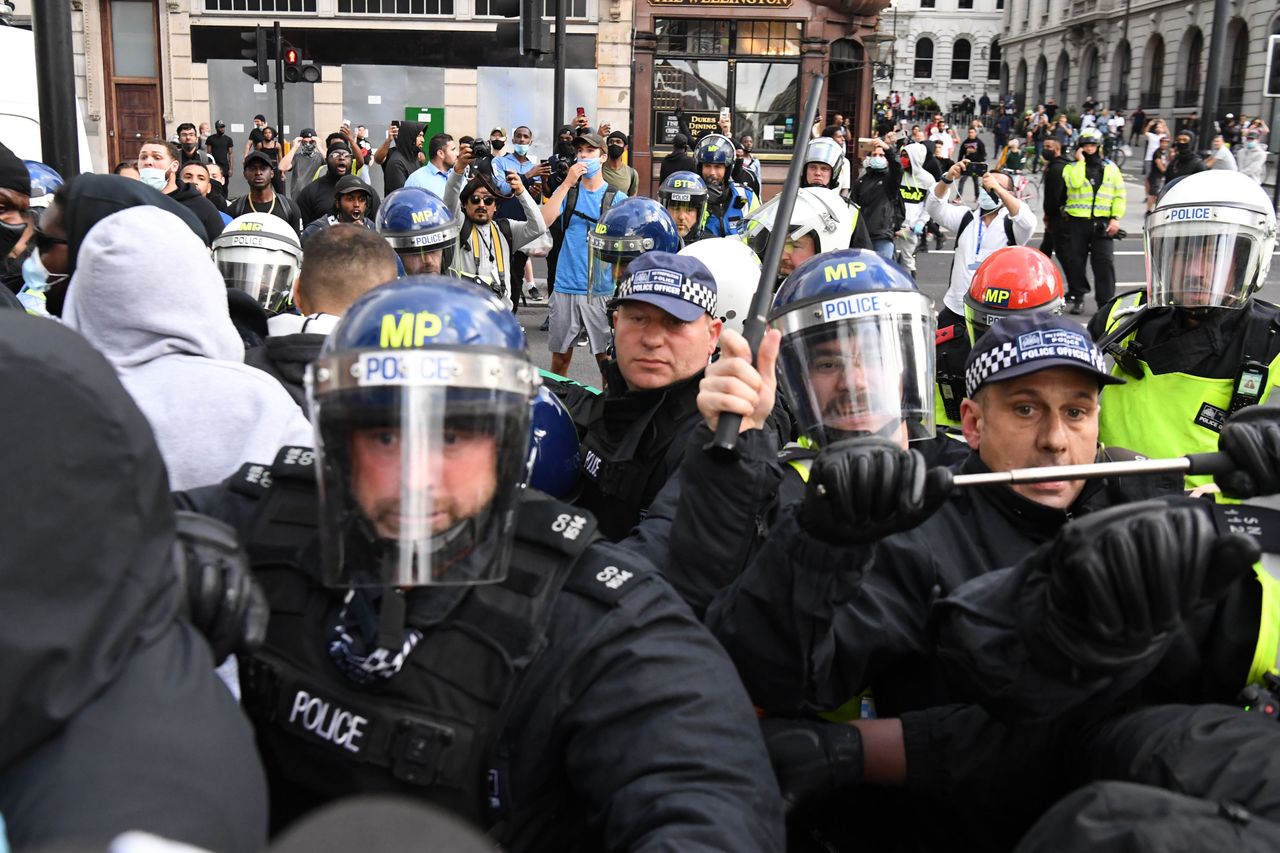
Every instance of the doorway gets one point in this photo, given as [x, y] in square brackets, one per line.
[131, 63]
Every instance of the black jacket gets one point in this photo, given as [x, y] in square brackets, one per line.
[281, 206]
[629, 731]
[402, 159]
[974, 150]
[676, 161]
[1055, 188]
[1185, 162]
[92, 198]
[645, 433]
[190, 197]
[113, 717]
[286, 358]
[316, 198]
[877, 194]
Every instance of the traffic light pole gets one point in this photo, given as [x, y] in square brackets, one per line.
[1213, 76]
[279, 43]
[56, 88]
[558, 100]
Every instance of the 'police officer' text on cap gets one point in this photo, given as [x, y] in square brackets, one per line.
[1020, 345]
[680, 285]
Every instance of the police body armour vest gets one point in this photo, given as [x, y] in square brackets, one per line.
[617, 464]
[431, 730]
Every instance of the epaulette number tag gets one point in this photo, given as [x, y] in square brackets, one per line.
[568, 526]
[613, 577]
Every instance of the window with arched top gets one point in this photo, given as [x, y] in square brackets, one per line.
[961, 51]
[993, 61]
[924, 59]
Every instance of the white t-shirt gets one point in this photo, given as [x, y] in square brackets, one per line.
[1153, 145]
[1088, 120]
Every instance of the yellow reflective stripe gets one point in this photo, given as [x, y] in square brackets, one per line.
[849, 711]
[1266, 655]
[802, 467]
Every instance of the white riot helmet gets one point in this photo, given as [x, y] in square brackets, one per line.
[1209, 241]
[828, 152]
[737, 272]
[818, 211]
[259, 253]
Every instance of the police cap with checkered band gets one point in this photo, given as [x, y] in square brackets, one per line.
[680, 285]
[1031, 343]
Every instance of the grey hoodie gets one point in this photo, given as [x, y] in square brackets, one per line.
[147, 295]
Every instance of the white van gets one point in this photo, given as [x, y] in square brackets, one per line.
[20, 103]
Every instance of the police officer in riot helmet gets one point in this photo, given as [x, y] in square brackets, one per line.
[421, 228]
[684, 196]
[443, 632]
[728, 203]
[1198, 344]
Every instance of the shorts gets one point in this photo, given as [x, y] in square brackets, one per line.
[569, 314]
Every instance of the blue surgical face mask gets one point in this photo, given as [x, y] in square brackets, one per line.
[521, 148]
[877, 164]
[153, 177]
[593, 165]
[988, 201]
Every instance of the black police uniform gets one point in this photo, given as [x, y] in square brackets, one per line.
[533, 707]
[632, 442]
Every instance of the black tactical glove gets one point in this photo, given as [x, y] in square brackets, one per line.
[1122, 579]
[222, 599]
[1252, 439]
[863, 489]
[812, 757]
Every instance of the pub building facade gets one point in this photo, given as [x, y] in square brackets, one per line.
[693, 58]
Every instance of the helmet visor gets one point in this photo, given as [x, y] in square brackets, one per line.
[266, 276]
[1202, 265]
[608, 259]
[422, 455]
[863, 375]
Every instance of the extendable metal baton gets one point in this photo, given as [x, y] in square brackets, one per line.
[726, 437]
[1196, 463]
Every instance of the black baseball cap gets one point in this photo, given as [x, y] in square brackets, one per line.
[351, 184]
[1017, 346]
[219, 123]
[258, 157]
[308, 132]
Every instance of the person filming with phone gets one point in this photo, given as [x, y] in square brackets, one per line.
[999, 220]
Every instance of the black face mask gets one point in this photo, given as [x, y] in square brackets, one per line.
[497, 144]
[615, 151]
[9, 237]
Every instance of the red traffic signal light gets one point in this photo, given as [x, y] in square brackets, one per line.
[291, 57]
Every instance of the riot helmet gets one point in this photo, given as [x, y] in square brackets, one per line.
[717, 151]
[259, 253]
[1209, 241]
[421, 399]
[626, 231]
[1011, 281]
[421, 228]
[44, 182]
[736, 270]
[555, 455]
[857, 349]
[819, 214]
[824, 151]
[684, 196]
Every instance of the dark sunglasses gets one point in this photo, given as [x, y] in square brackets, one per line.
[46, 242]
[486, 200]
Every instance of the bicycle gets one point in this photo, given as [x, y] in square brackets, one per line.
[1113, 150]
[1026, 187]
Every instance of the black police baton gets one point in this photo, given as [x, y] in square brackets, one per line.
[1196, 463]
[726, 437]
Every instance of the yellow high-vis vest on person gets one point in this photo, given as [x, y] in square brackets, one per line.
[1107, 203]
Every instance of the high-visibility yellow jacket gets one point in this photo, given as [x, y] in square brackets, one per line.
[1107, 203]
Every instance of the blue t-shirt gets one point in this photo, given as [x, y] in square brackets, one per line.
[571, 266]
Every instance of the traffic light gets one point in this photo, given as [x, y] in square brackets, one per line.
[533, 33]
[257, 52]
[1271, 77]
[295, 70]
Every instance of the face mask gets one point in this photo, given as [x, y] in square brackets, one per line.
[9, 237]
[615, 151]
[1251, 144]
[988, 201]
[153, 177]
[593, 167]
[877, 164]
[497, 144]
[521, 148]
[37, 279]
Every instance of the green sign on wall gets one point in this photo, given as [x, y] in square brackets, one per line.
[432, 117]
